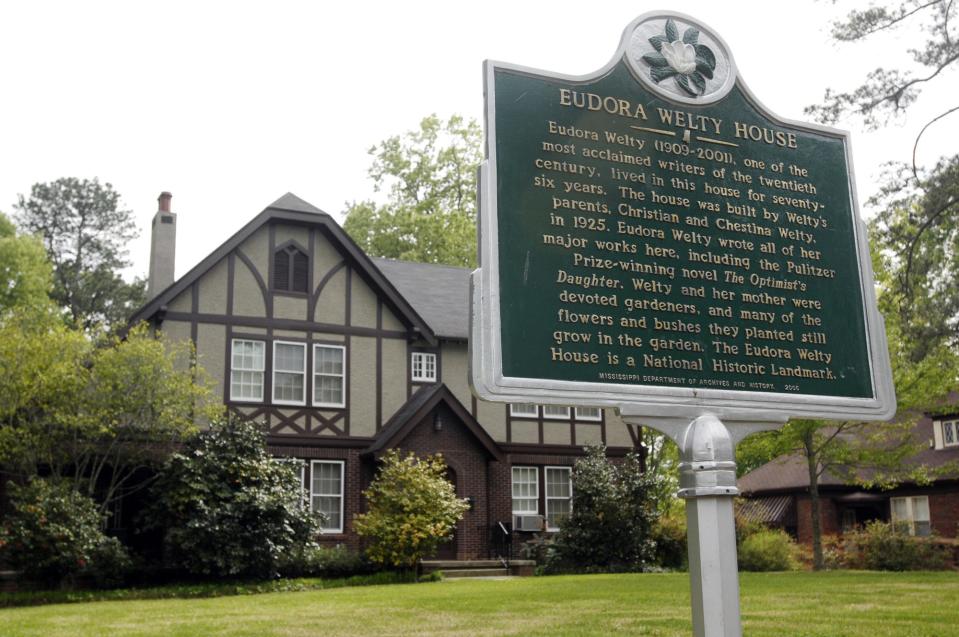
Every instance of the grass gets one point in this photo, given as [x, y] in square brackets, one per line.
[800, 604]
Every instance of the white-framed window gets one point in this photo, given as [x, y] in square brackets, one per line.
[523, 410]
[326, 493]
[329, 375]
[247, 366]
[912, 514]
[423, 366]
[289, 373]
[555, 412]
[950, 433]
[589, 413]
[525, 490]
[559, 496]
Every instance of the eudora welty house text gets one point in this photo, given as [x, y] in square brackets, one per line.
[345, 356]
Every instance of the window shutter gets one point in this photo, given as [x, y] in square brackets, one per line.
[301, 275]
[937, 433]
[281, 270]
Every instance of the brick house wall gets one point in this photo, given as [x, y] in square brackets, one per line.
[829, 519]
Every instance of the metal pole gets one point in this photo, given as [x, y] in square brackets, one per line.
[708, 483]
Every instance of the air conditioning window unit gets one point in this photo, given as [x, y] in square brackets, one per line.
[528, 523]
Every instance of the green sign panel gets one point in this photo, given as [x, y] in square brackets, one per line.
[655, 226]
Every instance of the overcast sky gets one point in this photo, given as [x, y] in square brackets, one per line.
[229, 105]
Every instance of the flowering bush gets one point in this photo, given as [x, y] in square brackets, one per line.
[880, 546]
[53, 535]
[412, 508]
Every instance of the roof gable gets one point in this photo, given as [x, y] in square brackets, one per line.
[411, 414]
[291, 208]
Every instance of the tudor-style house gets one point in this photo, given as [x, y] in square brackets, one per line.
[344, 357]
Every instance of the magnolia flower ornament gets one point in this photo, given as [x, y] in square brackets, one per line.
[681, 56]
[690, 63]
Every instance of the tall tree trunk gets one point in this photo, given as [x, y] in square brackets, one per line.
[813, 465]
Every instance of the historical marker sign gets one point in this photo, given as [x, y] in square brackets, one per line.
[652, 235]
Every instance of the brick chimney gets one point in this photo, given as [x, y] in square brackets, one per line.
[162, 247]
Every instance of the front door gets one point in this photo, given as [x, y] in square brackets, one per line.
[447, 550]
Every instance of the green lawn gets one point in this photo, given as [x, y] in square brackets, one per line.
[778, 604]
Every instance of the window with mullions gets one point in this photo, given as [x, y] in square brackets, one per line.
[423, 367]
[525, 490]
[289, 373]
[329, 377]
[248, 362]
[950, 433]
[911, 514]
[326, 493]
[559, 496]
[290, 269]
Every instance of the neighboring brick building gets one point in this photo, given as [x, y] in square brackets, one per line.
[778, 492]
[344, 357]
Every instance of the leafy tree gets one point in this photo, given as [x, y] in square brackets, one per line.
[916, 227]
[96, 415]
[229, 508]
[24, 269]
[411, 509]
[429, 176]
[53, 534]
[85, 232]
[914, 259]
[611, 524]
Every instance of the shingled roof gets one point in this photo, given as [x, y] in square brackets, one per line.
[438, 293]
[790, 473]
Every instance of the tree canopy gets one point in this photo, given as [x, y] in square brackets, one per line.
[85, 232]
[24, 269]
[429, 177]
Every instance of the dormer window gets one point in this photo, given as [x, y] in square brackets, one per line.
[290, 269]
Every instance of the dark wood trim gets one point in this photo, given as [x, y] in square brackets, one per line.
[473, 406]
[379, 364]
[311, 254]
[314, 299]
[557, 450]
[347, 319]
[269, 265]
[289, 440]
[264, 292]
[195, 310]
[228, 364]
[509, 425]
[283, 324]
[230, 282]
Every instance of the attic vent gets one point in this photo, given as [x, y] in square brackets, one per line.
[166, 219]
[290, 269]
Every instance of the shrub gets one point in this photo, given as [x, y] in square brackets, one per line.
[768, 550]
[669, 533]
[53, 535]
[228, 508]
[880, 546]
[609, 528]
[412, 508]
[322, 561]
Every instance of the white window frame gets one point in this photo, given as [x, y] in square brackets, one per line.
[951, 425]
[262, 370]
[342, 376]
[424, 376]
[340, 495]
[912, 521]
[597, 418]
[277, 401]
[569, 474]
[534, 497]
[563, 416]
[515, 412]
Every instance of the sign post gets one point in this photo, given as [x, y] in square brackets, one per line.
[654, 239]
